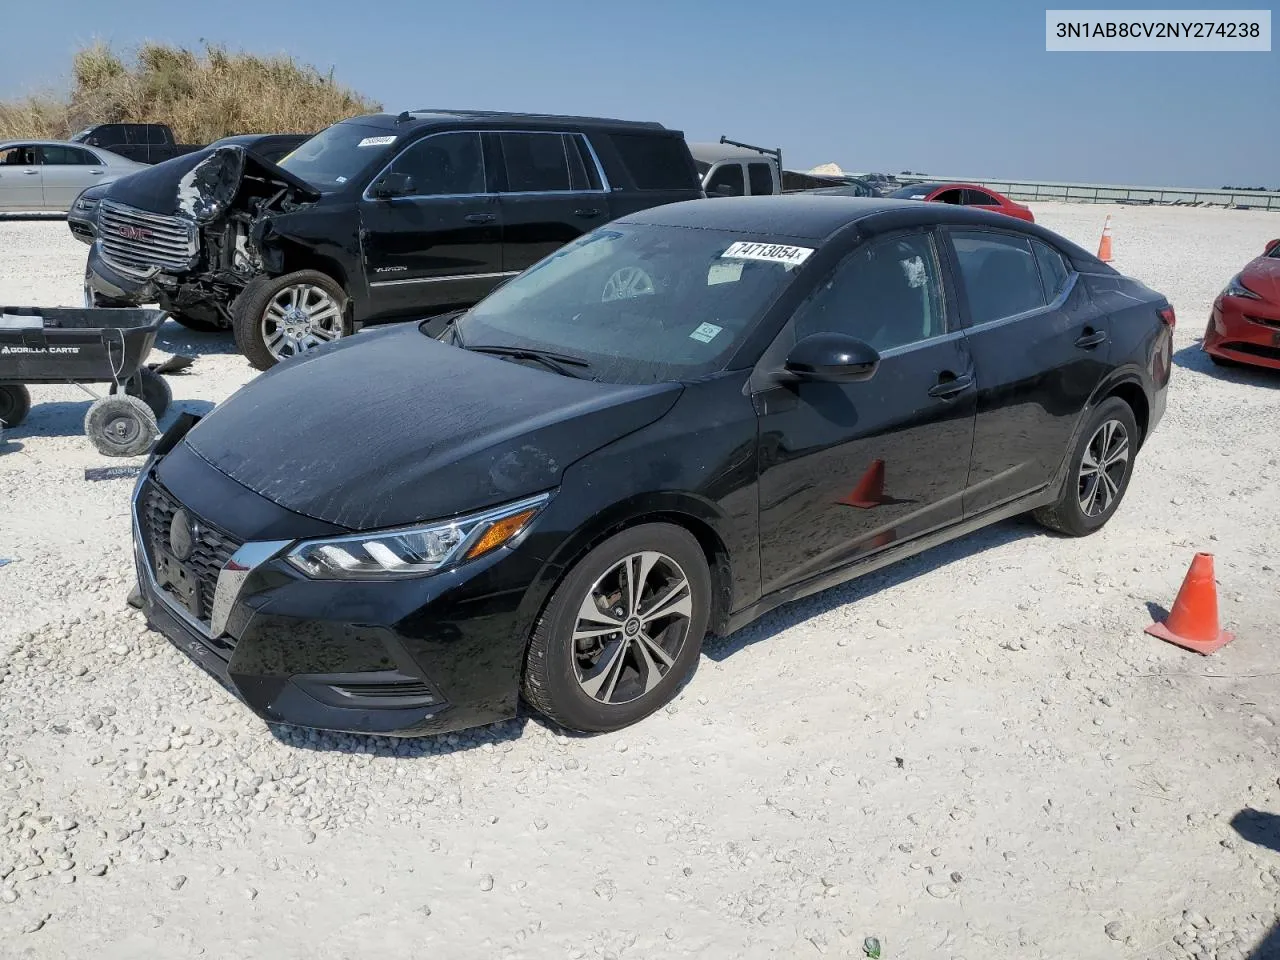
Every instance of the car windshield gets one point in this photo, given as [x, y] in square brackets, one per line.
[337, 155]
[639, 303]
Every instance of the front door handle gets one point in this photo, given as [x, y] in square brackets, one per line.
[96, 173]
[586, 212]
[1091, 338]
[31, 173]
[480, 218]
[949, 385]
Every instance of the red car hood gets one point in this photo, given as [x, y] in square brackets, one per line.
[1262, 276]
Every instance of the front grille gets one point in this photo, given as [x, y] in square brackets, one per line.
[211, 548]
[135, 240]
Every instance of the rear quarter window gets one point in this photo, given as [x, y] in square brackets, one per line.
[656, 163]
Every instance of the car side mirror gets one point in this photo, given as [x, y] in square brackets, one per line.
[1271, 246]
[832, 358]
[393, 184]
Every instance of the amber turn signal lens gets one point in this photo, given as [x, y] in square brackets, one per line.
[501, 531]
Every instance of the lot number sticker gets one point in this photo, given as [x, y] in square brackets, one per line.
[705, 333]
[377, 141]
[768, 252]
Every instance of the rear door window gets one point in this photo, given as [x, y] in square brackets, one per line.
[729, 175]
[1054, 271]
[760, 176]
[536, 162]
[1000, 275]
[976, 198]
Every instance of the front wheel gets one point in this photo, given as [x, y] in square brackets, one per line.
[121, 426]
[1100, 467]
[622, 632]
[276, 318]
[15, 404]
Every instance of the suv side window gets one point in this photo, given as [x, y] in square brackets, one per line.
[729, 175]
[760, 176]
[443, 165]
[999, 273]
[657, 163]
[1053, 270]
[888, 292]
[542, 163]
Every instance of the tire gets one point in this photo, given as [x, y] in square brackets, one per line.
[152, 389]
[611, 679]
[257, 329]
[121, 426]
[1088, 501]
[15, 404]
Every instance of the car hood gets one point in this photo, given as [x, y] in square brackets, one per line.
[203, 185]
[1262, 276]
[391, 427]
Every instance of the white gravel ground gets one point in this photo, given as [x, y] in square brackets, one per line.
[974, 754]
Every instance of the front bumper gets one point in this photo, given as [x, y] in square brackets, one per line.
[1246, 331]
[105, 282]
[399, 658]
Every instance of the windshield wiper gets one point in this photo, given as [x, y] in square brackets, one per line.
[559, 362]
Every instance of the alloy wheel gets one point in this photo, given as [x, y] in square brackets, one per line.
[1103, 468]
[299, 318]
[631, 627]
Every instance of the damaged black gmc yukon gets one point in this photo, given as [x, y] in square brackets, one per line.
[375, 218]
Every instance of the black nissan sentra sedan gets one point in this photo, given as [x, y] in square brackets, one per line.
[663, 429]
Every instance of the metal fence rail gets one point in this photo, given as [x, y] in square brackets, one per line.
[1114, 193]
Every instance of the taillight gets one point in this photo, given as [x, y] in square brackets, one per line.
[1169, 317]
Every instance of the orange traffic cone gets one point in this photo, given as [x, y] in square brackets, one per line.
[1104, 245]
[870, 489]
[1193, 624]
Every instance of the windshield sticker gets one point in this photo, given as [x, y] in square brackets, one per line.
[376, 141]
[768, 252]
[705, 333]
[724, 273]
[917, 196]
[339, 179]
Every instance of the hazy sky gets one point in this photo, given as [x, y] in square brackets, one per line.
[947, 88]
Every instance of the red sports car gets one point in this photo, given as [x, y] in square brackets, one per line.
[964, 194]
[1245, 324]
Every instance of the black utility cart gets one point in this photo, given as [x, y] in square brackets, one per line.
[82, 346]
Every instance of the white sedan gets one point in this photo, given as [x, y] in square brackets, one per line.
[48, 175]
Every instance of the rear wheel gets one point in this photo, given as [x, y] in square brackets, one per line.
[622, 632]
[152, 389]
[1100, 468]
[15, 404]
[276, 318]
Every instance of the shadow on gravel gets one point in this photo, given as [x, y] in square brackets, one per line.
[65, 418]
[175, 338]
[1193, 358]
[1258, 827]
[1268, 949]
[407, 748]
[1158, 613]
[798, 611]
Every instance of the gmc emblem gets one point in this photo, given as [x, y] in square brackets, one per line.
[134, 233]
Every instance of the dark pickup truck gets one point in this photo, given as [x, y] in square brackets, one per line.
[376, 218]
[140, 142]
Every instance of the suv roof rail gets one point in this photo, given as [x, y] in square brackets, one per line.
[612, 121]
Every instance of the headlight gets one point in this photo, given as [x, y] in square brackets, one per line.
[414, 551]
[1235, 288]
[85, 204]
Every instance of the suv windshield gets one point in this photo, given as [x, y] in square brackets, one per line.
[338, 154]
[638, 303]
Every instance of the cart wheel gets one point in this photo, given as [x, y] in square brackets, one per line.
[152, 389]
[121, 426]
[15, 404]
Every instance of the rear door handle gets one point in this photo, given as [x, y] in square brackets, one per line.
[586, 212]
[480, 218]
[31, 173]
[1088, 341]
[948, 388]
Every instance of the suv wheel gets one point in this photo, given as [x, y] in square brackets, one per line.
[276, 318]
[622, 632]
[1100, 469]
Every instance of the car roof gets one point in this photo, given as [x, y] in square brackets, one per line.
[434, 117]
[816, 217]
